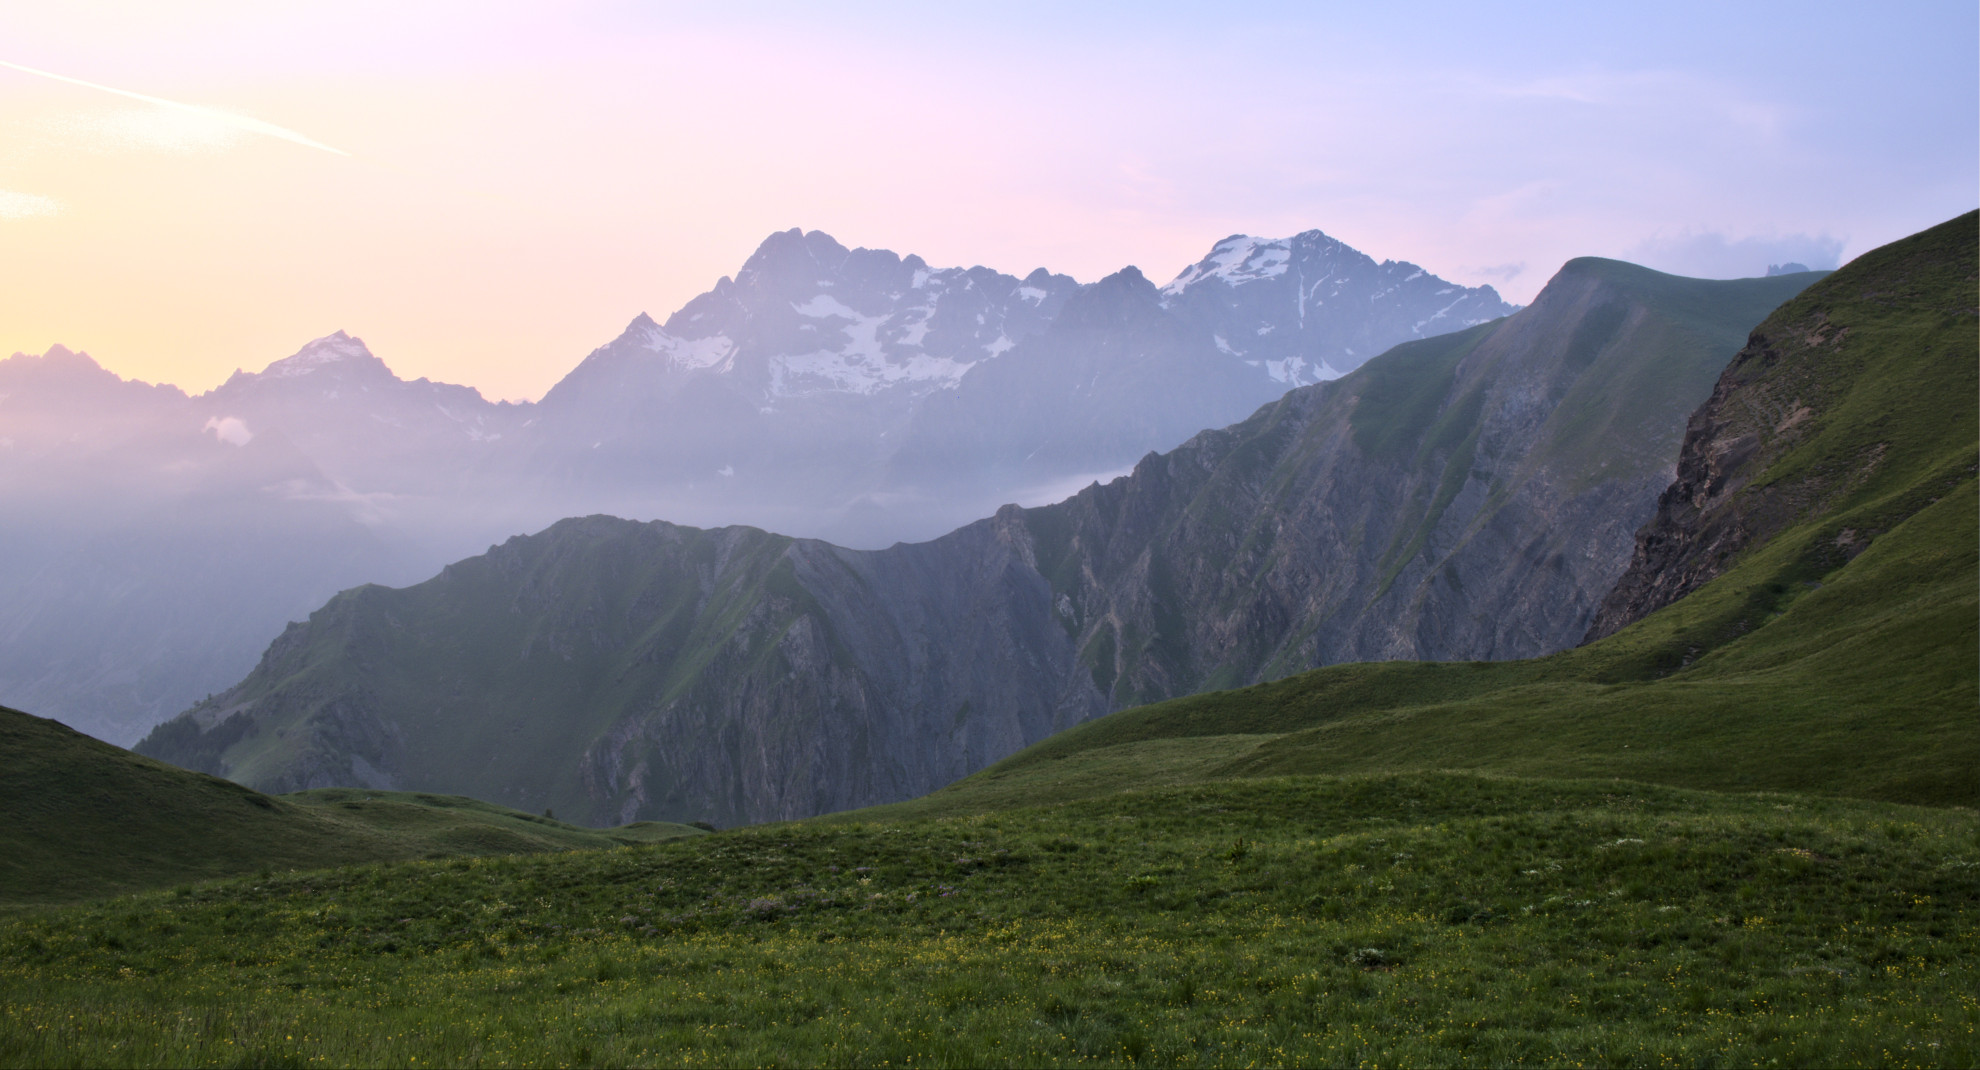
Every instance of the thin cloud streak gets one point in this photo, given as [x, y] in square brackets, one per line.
[239, 122]
[27, 205]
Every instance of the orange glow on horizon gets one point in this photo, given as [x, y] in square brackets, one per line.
[525, 179]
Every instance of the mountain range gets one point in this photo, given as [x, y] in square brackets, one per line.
[155, 540]
[866, 398]
[1753, 776]
[1469, 496]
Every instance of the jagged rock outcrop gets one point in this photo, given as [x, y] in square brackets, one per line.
[1467, 496]
[1733, 490]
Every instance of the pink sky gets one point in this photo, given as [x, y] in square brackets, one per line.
[522, 179]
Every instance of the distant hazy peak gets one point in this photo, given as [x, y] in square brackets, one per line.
[805, 315]
[330, 349]
[1108, 303]
[59, 355]
[793, 254]
[58, 351]
[1310, 307]
[340, 369]
[795, 260]
[1242, 258]
[62, 368]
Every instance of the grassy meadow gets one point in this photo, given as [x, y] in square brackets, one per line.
[1420, 919]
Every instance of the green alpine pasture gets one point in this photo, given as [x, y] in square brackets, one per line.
[1438, 919]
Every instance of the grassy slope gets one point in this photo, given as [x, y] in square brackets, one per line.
[1795, 670]
[80, 818]
[1865, 687]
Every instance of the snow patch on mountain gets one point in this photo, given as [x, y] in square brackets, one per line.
[1432, 325]
[858, 370]
[715, 351]
[913, 333]
[1236, 260]
[1296, 371]
[822, 306]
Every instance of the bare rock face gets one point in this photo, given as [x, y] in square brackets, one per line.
[1700, 527]
[1739, 480]
[1461, 497]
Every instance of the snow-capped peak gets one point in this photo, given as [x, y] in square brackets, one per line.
[329, 349]
[1237, 259]
[806, 316]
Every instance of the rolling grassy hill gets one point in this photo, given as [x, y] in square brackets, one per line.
[80, 818]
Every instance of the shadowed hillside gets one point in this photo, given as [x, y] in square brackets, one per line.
[80, 818]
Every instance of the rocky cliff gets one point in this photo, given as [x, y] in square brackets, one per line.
[1751, 467]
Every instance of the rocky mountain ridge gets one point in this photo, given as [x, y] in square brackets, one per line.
[1466, 496]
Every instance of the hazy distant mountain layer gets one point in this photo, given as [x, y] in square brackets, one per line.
[1470, 496]
[1308, 308]
[775, 398]
[859, 396]
[153, 541]
[145, 560]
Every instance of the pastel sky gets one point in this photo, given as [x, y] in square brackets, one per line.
[485, 191]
